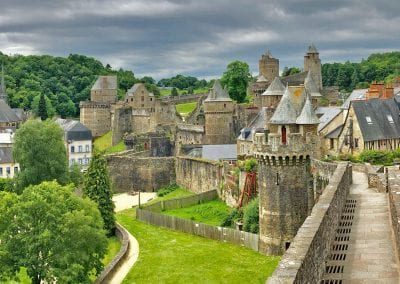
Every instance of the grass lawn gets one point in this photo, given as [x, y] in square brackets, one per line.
[113, 248]
[186, 109]
[196, 91]
[212, 212]
[103, 143]
[180, 192]
[167, 256]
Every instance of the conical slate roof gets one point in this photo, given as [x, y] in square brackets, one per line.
[312, 49]
[217, 93]
[285, 112]
[310, 85]
[307, 115]
[275, 89]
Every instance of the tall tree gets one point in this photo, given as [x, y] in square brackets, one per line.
[42, 111]
[56, 235]
[174, 92]
[97, 187]
[40, 151]
[236, 78]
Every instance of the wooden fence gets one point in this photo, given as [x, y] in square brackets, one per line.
[151, 215]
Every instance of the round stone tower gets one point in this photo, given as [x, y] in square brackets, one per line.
[312, 64]
[284, 159]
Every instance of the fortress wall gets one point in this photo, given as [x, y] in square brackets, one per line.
[394, 203]
[198, 175]
[140, 173]
[304, 261]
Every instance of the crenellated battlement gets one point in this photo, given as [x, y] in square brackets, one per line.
[272, 160]
[90, 104]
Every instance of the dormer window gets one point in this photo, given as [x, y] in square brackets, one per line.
[390, 119]
[368, 119]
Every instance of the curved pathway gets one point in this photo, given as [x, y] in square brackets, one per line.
[122, 202]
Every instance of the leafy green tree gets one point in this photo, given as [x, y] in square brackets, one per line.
[49, 107]
[174, 92]
[40, 151]
[236, 78]
[251, 216]
[290, 71]
[97, 187]
[42, 109]
[56, 235]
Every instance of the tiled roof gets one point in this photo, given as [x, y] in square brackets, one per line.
[105, 83]
[328, 116]
[6, 113]
[74, 130]
[275, 89]
[285, 112]
[357, 94]
[307, 115]
[335, 133]
[217, 93]
[220, 152]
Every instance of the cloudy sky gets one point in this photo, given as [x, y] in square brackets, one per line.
[162, 38]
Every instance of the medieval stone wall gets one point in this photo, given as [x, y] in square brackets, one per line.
[103, 96]
[140, 173]
[304, 261]
[121, 123]
[96, 117]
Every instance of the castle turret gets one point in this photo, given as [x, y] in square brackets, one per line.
[284, 159]
[219, 121]
[268, 66]
[312, 63]
[273, 94]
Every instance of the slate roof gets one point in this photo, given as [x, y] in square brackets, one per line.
[328, 116]
[105, 83]
[6, 113]
[380, 113]
[74, 130]
[285, 112]
[295, 79]
[307, 115]
[220, 152]
[6, 155]
[357, 94]
[257, 124]
[310, 85]
[217, 93]
[134, 88]
[275, 89]
[312, 49]
[335, 133]
[261, 78]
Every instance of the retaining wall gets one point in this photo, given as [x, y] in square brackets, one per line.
[304, 261]
[110, 270]
[394, 203]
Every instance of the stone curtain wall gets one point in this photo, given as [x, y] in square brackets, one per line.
[198, 175]
[151, 215]
[394, 203]
[304, 261]
[140, 173]
[110, 269]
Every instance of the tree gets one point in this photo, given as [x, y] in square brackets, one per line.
[40, 151]
[236, 79]
[42, 110]
[97, 187]
[56, 235]
[174, 92]
[290, 71]
[49, 107]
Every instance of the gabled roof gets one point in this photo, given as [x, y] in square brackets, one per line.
[275, 89]
[217, 93]
[310, 85]
[357, 94]
[378, 119]
[74, 130]
[285, 112]
[134, 88]
[105, 83]
[328, 116]
[220, 152]
[307, 115]
[6, 113]
[261, 78]
[335, 133]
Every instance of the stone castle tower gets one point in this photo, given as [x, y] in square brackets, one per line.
[284, 176]
[96, 114]
[268, 66]
[219, 110]
[312, 64]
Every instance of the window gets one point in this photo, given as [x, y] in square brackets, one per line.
[390, 118]
[131, 99]
[15, 170]
[368, 118]
[8, 170]
[151, 99]
[1, 171]
[87, 148]
[72, 162]
[142, 99]
[87, 161]
[356, 142]
[72, 149]
[142, 105]
[80, 161]
[332, 143]
[79, 148]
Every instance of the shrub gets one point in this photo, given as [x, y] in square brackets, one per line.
[168, 189]
[250, 216]
[377, 157]
[232, 217]
[250, 165]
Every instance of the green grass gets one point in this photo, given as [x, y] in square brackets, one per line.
[212, 212]
[104, 142]
[196, 91]
[113, 248]
[180, 192]
[168, 256]
[186, 109]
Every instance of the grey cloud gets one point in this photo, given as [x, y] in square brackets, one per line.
[164, 37]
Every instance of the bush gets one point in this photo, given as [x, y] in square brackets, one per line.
[234, 216]
[377, 157]
[168, 189]
[250, 216]
[7, 184]
[250, 165]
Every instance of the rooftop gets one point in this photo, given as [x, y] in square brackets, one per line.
[105, 83]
